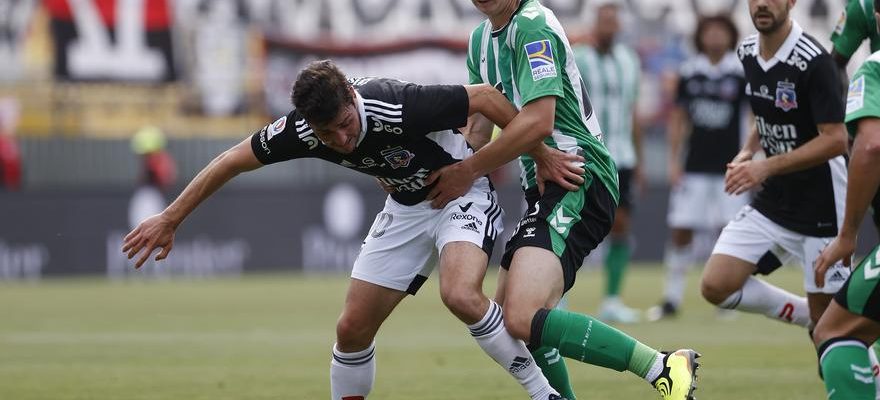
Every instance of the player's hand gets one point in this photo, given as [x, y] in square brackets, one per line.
[452, 182]
[559, 167]
[743, 176]
[152, 233]
[387, 188]
[841, 248]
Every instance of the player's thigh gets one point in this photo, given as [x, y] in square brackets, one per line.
[838, 322]
[726, 205]
[860, 296]
[742, 243]
[818, 303]
[367, 306]
[835, 276]
[462, 270]
[398, 252]
[567, 224]
[501, 286]
[625, 205]
[534, 281]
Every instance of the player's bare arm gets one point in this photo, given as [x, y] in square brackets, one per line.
[863, 182]
[831, 142]
[676, 132]
[530, 127]
[158, 230]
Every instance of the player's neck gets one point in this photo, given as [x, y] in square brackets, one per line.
[501, 19]
[771, 42]
[714, 58]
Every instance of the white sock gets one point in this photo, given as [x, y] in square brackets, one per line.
[656, 368]
[510, 353]
[760, 297]
[875, 367]
[352, 374]
[678, 261]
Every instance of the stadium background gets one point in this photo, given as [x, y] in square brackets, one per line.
[79, 78]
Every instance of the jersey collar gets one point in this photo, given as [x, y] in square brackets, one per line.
[359, 101]
[784, 50]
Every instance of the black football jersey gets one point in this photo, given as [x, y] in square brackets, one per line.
[713, 97]
[407, 131]
[790, 94]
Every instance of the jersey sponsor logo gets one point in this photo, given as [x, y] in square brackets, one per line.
[776, 138]
[841, 24]
[796, 60]
[855, 95]
[466, 217]
[729, 89]
[359, 81]
[711, 114]
[471, 227]
[380, 127]
[264, 142]
[397, 157]
[540, 55]
[276, 127]
[786, 96]
[763, 92]
[412, 183]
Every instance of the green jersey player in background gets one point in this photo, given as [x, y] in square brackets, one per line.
[852, 320]
[611, 72]
[522, 50]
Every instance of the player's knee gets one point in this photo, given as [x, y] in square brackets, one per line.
[713, 291]
[353, 335]
[518, 322]
[465, 303]
[681, 237]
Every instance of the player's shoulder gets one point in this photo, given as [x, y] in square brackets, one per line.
[871, 66]
[479, 30]
[531, 17]
[748, 47]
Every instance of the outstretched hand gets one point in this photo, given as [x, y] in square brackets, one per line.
[452, 182]
[559, 167]
[152, 233]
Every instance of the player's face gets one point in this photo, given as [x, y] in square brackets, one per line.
[769, 15]
[715, 39]
[341, 134]
[607, 24]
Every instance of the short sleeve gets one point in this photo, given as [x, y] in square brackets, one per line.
[863, 96]
[473, 68]
[280, 140]
[851, 29]
[826, 105]
[432, 108]
[538, 58]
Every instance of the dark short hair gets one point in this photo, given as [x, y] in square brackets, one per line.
[320, 92]
[720, 19]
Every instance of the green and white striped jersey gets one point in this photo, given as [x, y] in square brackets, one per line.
[530, 58]
[613, 83]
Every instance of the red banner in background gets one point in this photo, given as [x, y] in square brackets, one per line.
[112, 40]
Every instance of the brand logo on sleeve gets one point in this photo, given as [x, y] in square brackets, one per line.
[540, 55]
[276, 127]
[855, 96]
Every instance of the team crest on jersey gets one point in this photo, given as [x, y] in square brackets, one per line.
[398, 157]
[786, 96]
[276, 127]
[855, 95]
[540, 56]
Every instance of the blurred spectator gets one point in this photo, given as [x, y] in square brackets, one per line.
[10, 158]
[611, 72]
[158, 174]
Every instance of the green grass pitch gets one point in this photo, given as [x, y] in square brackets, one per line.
[269, 337]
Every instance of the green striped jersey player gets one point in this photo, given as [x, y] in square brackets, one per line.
[856, 24]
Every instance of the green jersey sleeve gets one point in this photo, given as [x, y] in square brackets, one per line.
[473, 56]
[851, 29]
[539, 59]
[863, 96]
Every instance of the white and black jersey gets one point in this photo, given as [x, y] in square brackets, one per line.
[790, 94]
[713, 97]
[407, 131]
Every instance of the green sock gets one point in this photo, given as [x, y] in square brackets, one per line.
[587, 339]
[847, 370]
[615, 266]
[553, 367]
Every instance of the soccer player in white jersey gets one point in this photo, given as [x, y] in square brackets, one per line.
[706, 125]
[398, 132]
[795, 96]
[611, 71]
[522, 50]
